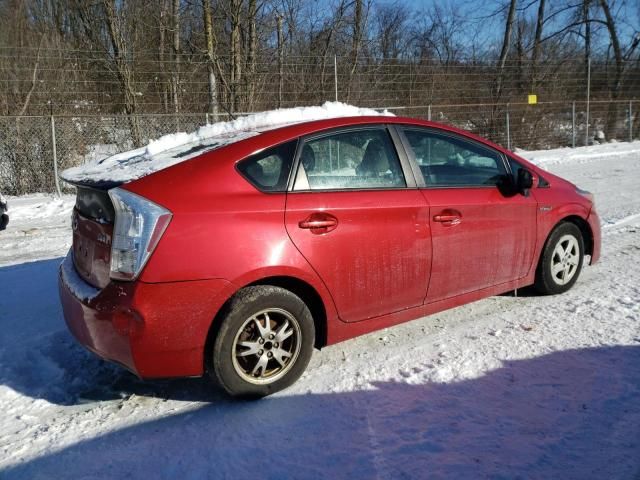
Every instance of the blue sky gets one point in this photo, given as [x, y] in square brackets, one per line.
[627, 15]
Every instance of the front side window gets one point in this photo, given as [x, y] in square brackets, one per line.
[363, 158]
[269, 170]
[451, 161]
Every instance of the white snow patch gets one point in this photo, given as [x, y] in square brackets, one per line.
[179, 147]
[554, 395]
[76, 284]
[580, 154]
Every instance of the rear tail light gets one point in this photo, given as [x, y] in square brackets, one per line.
[138, 229]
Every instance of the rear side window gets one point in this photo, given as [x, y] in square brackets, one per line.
[452, 161]
[362, 158]
[269, 169]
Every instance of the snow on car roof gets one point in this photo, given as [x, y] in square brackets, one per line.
[179, 147]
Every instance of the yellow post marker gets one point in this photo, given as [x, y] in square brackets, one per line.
[533, 99]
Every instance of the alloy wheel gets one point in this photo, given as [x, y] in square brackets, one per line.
[565, 259]
[266, 346]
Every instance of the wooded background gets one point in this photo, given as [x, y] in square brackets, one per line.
[150, 67]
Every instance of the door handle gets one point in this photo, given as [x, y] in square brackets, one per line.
[319, 223]
[448, 217]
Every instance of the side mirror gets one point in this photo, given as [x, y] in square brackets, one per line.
[524, 181]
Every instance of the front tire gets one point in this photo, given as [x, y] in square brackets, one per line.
[561, 260]
[264, 342]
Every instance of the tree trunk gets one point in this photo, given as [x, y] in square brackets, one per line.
[123, 70]
[236, 66]
[587, 36]
[211, 57]
[176, 55]
[355, 46]
[535, 56]
[506, 44]
[161, 60]
[280, 61]
[612, 112]
[250, 77]
[520, 58]
[498, 84]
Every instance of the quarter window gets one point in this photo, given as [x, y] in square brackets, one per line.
[363, 158]
[451, 161]
[269, 170]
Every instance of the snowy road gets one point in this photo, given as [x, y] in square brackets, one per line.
[532, 387]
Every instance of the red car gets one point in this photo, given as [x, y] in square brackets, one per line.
[240, 261]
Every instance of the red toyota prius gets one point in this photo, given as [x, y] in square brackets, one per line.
[242, 259]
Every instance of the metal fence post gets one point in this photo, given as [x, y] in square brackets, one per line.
[429, 112]
[573, 124]
[508, 130]
[55, 155]
[206, 118]
[335, 75]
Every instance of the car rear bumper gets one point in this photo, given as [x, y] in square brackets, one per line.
[594, 222]
[154, 330]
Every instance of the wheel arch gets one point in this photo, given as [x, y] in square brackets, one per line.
[577, 220]
[302, 289]
[309, 296]
[585, 229]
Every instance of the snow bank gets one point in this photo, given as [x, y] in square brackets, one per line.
[179, 147]
[506, 387]
[580, 154]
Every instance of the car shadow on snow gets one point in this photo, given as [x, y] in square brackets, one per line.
[567, 414]
[40, 358]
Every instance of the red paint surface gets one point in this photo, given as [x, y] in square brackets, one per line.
[386, 260]
[377, 259]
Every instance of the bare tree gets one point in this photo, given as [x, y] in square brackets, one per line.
[175, 15]
[535, 55]
[358, 27]
[211, 56]
[390, 30]
[161, 58]
[34, 77]
[236, 59]
[123, 68]
[620, 57]
[250, 77]
[280, 59]
[504, 51]
[587, 35]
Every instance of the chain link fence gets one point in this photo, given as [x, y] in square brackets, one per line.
[33, 147]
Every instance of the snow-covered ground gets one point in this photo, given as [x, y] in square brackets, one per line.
[507, 387]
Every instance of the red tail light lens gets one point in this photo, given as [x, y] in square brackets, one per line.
[139, 226]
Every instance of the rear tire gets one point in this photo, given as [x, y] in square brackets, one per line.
[561, 260]
[264, 342]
